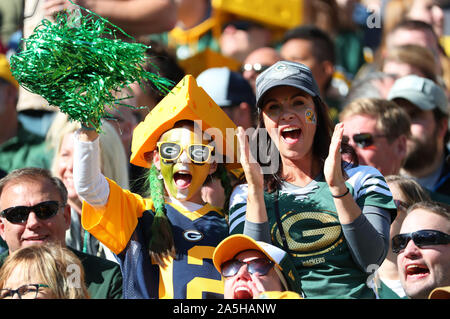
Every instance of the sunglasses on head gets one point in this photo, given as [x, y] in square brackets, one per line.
[420, 238]
[363, 140]
[257, 67]
[19, 214]
[260, 266]
[197, 153]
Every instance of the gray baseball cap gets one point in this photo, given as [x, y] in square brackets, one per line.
[286, 73]
[422, 92]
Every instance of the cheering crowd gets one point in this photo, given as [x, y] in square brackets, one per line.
[334, 182]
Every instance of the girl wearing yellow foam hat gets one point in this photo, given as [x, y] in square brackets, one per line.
[164, 243]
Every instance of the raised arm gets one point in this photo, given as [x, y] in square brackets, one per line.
[367, 230]
[89, 182]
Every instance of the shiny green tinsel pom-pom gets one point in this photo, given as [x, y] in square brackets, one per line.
[77, 63]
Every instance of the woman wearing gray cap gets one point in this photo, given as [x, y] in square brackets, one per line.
[333, 217]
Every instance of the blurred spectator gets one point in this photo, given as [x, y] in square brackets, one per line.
[378, 130]
[407, 32]
[132, 16]
[11, 19]
[423, 248]
[43, 272]
[34, 211]
[192, 31]
[427, 155]
[257, 61]
[251, 268]
[373, 85]
[240, 37]
[18, 146]
[315, 49]
[163, 62]
[122, 117]
[405, 192]
[114, 164]
[232, 92]
[429, 11]
[410, 59]
[312, 47]
[336, 18]
[235, 96]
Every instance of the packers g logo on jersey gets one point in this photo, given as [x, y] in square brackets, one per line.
[192, 235]
[309, 233]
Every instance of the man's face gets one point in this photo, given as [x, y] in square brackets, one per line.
[423, 144]
[383, 154]
[423, 269]
[301, 51]
[34, 231]
[245, 285]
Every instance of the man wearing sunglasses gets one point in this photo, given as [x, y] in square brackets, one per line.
[423, 248]
[378, 130]
[34, 211]
[254, 269]
[258, 61]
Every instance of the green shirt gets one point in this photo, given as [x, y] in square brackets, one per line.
[24, 150]
[313, 234]
[103, 277]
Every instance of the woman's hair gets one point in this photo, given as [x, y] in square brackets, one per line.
[411, 190]
[114, 163]
[54, 265]
[320, 147]
[417, 56]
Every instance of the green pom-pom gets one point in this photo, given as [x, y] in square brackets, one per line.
[77, 63]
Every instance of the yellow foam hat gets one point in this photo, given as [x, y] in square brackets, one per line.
[186, 101]
[5, 71]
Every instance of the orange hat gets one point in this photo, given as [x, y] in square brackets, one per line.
[234, 244]
[186, 101]
[5, 71]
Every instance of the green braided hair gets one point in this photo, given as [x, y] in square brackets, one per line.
[161, 244]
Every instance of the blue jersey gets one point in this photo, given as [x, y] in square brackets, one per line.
[191, 274]
[124, 226]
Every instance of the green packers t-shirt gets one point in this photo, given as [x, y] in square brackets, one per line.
[313, 233]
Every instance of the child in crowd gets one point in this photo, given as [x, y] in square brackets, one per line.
[164, 243]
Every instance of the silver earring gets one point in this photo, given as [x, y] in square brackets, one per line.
[160, 176]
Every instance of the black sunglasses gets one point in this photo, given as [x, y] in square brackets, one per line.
[259, 266]
[19, 214]
[363, 140]
[420, 238]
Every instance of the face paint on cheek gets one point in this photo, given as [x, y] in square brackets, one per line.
[184, 186]
[310, 116]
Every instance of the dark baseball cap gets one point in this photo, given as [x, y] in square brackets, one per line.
[286, 73]
[225, 87]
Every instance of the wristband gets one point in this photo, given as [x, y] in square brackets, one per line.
[339, 196]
